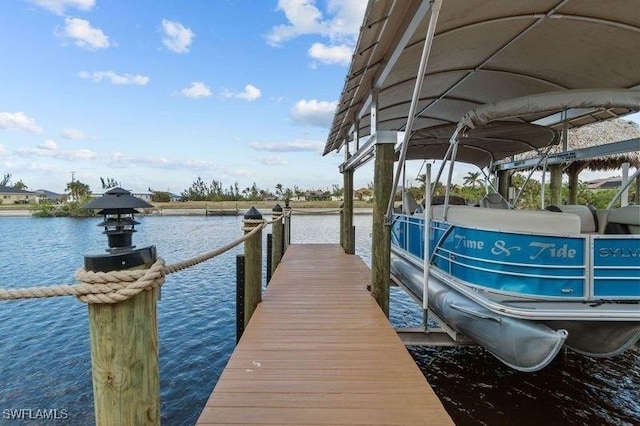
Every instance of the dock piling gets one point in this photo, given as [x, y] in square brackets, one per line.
[239, 296]
[287, 225]
[381, 235]
[277, 228]
[253, 263]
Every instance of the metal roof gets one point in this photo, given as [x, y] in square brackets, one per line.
[485, 52]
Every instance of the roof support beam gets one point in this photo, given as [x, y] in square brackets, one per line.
[578, 154]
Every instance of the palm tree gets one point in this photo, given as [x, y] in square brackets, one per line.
[472, 178]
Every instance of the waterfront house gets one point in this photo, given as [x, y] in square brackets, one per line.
[10, 195]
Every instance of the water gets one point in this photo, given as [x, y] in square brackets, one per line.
[44, 344]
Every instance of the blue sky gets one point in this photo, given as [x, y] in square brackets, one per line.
[157, 93]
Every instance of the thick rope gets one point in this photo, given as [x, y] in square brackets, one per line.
[297, 211]
[117, 286]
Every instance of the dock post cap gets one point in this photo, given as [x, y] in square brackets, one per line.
[253, 213]
[277, 208]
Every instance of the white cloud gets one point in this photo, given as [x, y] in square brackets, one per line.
[340, 54]
[114, 78]
[251, 93]
[84, 154]
[18, 121]
[50, 149]
[84, 35]
[59, 6]
[177, 38]
[293, 146]
[340, 24]
[197, 90]
[273, 160]
[313, 113]
[2, 149]
[48, 145]
[73, 134]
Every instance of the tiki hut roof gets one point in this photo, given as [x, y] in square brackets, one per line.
[597, 134]
[602, 133]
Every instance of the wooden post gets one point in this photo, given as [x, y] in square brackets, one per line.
[503, 183]
[277, 228]
[239, 296]
[124, 350]
[269, 257]
[253, 264]
[349, 243]
[342, 233]
[381, 244]
[287, 225]
[574, 172]
[555, 185]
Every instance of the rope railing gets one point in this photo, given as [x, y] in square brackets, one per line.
[117, 286]
[316, 212]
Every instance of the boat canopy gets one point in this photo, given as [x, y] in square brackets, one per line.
[482, 53]
[538, 106]
[486, 136]
[481, 146]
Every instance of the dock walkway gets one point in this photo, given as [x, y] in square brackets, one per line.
[318, 350]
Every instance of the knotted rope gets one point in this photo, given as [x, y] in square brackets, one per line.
[117, 286]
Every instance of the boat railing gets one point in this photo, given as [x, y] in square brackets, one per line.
[563, 264]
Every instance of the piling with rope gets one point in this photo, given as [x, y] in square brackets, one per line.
[253, 262]
[124, 356]
[124, 335]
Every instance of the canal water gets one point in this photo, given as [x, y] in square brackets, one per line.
[44, 344]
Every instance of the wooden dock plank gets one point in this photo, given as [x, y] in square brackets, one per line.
[318, 350]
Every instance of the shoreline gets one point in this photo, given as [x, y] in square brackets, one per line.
[201, 212]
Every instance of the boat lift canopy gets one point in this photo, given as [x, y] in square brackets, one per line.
[481, 53]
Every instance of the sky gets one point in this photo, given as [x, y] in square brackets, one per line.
[155, 94]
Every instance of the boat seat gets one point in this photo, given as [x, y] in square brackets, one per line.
[494, 201]
[587, 215]
[624, 220]
[454, 200]
[530, 221]
[409, 204]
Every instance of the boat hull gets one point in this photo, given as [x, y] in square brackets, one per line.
[520, 344]
[599, 339]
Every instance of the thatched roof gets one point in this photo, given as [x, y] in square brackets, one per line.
[600, 133]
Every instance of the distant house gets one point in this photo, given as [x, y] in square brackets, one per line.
[10, 195]
[363, 194]
[174, 197]
[146, 196]
[606, 183]
[52, 197]
[318, 195]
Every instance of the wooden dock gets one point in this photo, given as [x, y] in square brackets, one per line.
[318, 350]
